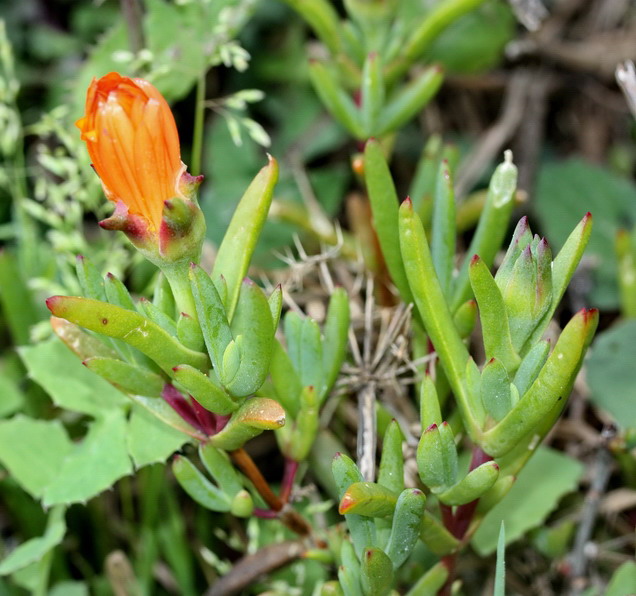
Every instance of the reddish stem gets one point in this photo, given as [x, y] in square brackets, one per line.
[457, 523]
[265, 513]
[289, 475]
[290, 518]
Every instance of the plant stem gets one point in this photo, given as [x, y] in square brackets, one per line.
[457, 523]
[199, 121]
[133, 17]
[290, 518]
[177, 276]
[289, 475]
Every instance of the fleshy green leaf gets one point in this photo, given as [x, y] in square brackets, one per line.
[203, 389]
[551, 387]
[236, 250]
[407, 521]
[211, 314]
[547, 477]
[251, 419]
[361, 527]
[127, 377]
[376, 572]
[492, 226]
[472, 486]
[218, 465]
[391, 473]
[493, 316]
[198, 486]
[368, 498]
[253, 320]
[131, 327]
[443, 229]
[385, 208]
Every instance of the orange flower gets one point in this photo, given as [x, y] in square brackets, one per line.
[133, 142]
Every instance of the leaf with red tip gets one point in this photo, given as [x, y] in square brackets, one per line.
[368, 498]
[551, 387]
[563, 268]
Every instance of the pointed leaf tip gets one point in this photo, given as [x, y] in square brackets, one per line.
[474, 260]
[52, 302]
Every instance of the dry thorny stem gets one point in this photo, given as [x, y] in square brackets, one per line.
[378, 340]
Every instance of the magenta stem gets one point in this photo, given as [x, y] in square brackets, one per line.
[289, 475]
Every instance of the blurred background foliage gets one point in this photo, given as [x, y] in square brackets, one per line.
[548, 93]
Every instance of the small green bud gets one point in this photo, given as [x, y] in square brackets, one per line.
[242, 504]
[437, 457]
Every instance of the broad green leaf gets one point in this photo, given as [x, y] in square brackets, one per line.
[94, 464]
[16, 300]
[150, 440]
[565, 191]
[611, 374]
[43, 446]
[623, 580]
[11, 398]
[33, 550]
[70, 385]
[547, 477]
